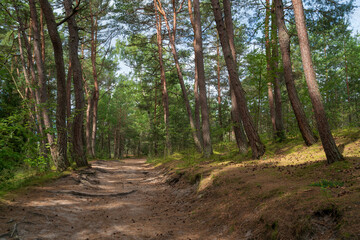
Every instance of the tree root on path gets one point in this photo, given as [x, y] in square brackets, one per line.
[101, 170]
[14, 230]
[83, 194]
[4, 234]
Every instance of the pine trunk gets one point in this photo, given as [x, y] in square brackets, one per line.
[238, 128]
[332, 152]
[78, 143]
[279, 122]
[88, 126]
[207, 147]
[165, 97]
[61, 107]
[218, 71]
[284, 41]
[94, 28]
[179, 73]
[42, 84]
[269, 69]
[258, 149]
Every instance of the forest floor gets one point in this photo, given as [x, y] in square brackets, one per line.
[291, 193]
[125, 199]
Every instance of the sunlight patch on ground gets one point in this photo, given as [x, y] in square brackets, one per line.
[51, 203]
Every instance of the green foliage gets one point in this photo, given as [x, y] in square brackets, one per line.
[40, 163]
[18, 144]
[327, 184]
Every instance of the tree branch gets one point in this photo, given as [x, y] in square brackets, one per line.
[75, 10]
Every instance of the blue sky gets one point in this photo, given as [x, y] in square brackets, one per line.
[355, 17]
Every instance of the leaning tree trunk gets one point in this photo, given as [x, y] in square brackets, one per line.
[78, 143]
[238, 128]
[196, 82]
[61, 106]
[240, 136]
[284, 41]
[207, 147]
[258, 148]
[165, 97]
[332, 152]
[179, 72]
[43, 86]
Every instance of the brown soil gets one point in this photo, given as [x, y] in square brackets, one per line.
[111, 200]
[133, 200]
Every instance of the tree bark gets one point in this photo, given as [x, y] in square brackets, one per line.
[165, 97]
[116, 153]
[332, 152]
[89, 106]
[33, 90]
[94, 31]
[269, 69]
[199, 61]
[347, 82]
[179, 71]
[258, 149]
[284, 41]
[68, 96]
[68, 107]
[78, 144]
[196, 83]
[42, 84]
[88, 126]
[279, 122]
[109, 145]
[155, 131]
[42, 33]
[238, 128]
[218, 71]
[61, 106]
[197, 105]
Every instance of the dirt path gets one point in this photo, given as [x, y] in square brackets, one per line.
[111, 200]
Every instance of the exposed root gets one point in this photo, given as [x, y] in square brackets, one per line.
[40, 214]
[12, 234]
[83, 194]
[101, 170]
[4, 235]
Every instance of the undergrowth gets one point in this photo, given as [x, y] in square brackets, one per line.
[27, 177]
[291, 151]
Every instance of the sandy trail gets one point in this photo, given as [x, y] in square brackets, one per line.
[111, 200]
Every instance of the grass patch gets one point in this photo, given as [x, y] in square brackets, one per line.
[291, 151]
[25, 178]
[327, 184]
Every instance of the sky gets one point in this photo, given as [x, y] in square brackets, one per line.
[355, 17]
